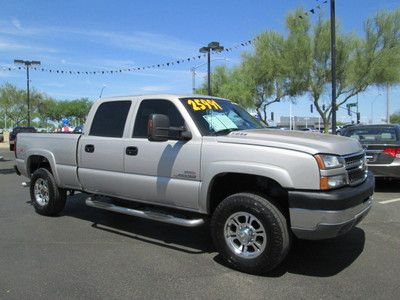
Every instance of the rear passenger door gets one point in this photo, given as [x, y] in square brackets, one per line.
[166, 173]
[101, 149]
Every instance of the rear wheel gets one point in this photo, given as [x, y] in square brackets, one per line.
[47, 198]
[250, 233]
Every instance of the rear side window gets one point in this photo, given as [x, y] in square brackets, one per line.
[165, 107]
[110, 118]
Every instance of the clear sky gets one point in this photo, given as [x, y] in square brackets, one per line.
[110, 35]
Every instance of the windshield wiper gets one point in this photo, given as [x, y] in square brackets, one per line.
[225, 131]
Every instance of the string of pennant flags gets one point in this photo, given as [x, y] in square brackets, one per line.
[314, 9]
[131, 69]
[153, 66]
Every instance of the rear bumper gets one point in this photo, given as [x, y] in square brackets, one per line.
[323, 215]
[389, 170]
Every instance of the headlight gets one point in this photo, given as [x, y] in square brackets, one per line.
[329, 161]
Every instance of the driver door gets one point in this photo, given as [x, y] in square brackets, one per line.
[166, 173]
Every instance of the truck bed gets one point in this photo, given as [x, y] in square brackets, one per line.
[59, 149]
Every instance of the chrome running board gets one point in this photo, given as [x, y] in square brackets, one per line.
[146, 214]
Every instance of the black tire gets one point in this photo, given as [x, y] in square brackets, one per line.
[56, 196]
[11, 147]
[275, 226]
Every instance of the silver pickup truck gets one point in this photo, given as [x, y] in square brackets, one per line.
[190, 159]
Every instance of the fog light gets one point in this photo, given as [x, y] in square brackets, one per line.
[332, 182]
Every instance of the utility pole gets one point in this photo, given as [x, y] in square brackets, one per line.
[27, 64]
[388, 103]
[333, 54]
[193, 79]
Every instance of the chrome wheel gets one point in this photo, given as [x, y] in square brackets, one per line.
[245, 235]
[41, 192]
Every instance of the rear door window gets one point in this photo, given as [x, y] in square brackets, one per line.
[110, 118]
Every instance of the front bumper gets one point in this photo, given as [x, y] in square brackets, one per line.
[323, 215]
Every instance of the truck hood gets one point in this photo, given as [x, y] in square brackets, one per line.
[309, 142]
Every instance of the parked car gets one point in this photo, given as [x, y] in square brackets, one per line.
[1, 136]
[188, 159]
[19, 129]
[382, 144]
[78, 129]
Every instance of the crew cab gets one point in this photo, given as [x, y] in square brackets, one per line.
[190, 159]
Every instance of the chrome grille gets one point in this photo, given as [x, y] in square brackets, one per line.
[356, 168]
[354, 160]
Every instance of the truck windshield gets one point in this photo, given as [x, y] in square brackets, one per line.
[219, 117]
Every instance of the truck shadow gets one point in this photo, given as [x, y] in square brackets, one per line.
[323, 258]
[190, 240]
[7, 171]
[310, 258]
[387, 185]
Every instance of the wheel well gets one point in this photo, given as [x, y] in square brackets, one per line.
[36, 162]
[227, 184]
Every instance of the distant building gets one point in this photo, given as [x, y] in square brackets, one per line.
[300, 122]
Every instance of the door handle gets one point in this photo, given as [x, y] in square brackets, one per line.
[131, 151]
[89, 148]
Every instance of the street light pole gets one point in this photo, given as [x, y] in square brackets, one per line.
[102, 89]
[209, 73]
[27, 64]
[372, 107]
[27, 93]
[213, 46]
[333, 54]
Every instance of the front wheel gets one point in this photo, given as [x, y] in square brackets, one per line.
[250, 233]
[47, 198]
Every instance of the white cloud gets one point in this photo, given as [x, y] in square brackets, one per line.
[147, 42]
[155, 88]
[6, 74]
[16, 23]
[8, 45]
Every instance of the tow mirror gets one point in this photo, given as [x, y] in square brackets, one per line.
[158, 128]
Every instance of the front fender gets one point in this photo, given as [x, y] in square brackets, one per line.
[276, 173]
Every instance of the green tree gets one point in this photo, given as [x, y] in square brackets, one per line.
[287, 66]
[361, 62]
[13, 104]
[263, 76]
[395, 118]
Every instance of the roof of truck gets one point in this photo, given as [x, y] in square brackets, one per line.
[156, 96]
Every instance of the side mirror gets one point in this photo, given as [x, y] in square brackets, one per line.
[158, 128]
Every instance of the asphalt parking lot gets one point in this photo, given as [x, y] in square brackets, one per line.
[93, 254]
